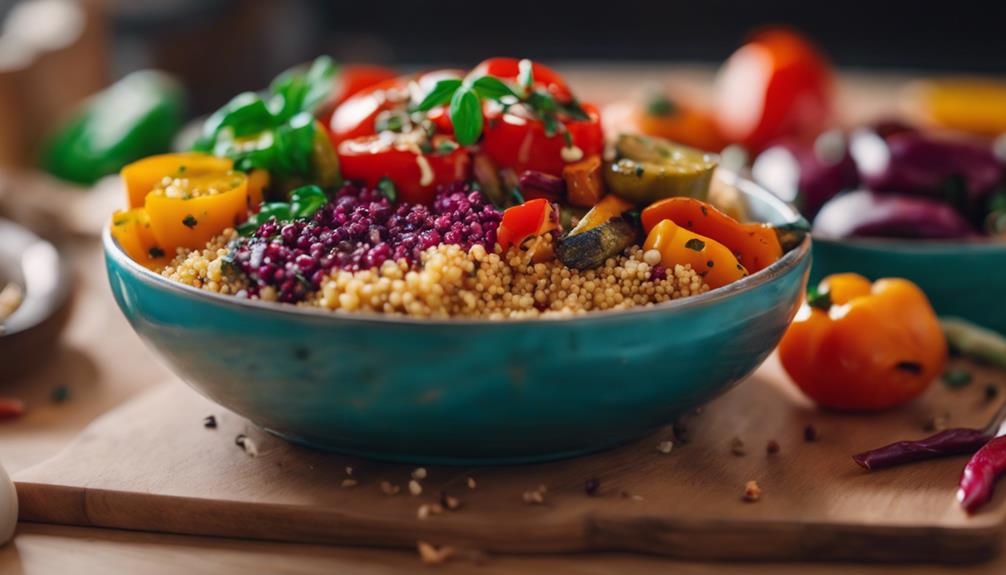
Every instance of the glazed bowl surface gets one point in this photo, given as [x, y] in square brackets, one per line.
[465, 391]
[961, 278]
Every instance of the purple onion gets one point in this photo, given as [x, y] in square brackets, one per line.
[864, 213]
[541, 185]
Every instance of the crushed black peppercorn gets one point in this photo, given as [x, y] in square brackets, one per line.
[811, 434]
[591, 486]
[210, 422]
[991, 392]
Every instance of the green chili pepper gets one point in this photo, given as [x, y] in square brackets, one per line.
[136, 117]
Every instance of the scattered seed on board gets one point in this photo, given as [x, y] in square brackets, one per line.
[431, 555]
[248, 444]
[535, 496]
[415, 488]
[210, 422]
[810, 434]
[737, 446]
[772, 447]
[471, 483]
[591, 486]
[419, 473]
[752, 492]
[389, 489]
[448, 502]
[349, 470]
[991, 392]
[937, 422]
[427, 509]
[348, 482]
[665, 447]
[626, 495]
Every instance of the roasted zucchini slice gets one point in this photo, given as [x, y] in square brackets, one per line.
[646, 169]
[602, 233]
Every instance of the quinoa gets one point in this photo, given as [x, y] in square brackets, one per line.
[453, 282]
[207, 268]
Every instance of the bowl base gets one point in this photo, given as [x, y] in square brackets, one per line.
[448, 460]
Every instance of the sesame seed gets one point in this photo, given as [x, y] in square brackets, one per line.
[665, 447]
[752, 492]
[348, 483]
[419, 473]
[414, 487]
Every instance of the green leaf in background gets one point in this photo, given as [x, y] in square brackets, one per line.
[136, 117]
[466, 115]
[441, 94]
[295, 91]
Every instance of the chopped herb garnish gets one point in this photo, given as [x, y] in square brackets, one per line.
[640, 170]
[695, 244]
[387, 187]
[517, 196]
[956, 377]
[189, 221]
[155, 252]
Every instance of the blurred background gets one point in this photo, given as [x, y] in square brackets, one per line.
[53, 53]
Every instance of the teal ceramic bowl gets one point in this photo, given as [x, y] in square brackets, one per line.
[963, 279]
[464, 391]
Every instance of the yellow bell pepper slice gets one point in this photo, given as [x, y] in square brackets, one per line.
[258, 181]
[189, 211]
[977, 106]
[142, 176]
[710, 259]
[132, 230]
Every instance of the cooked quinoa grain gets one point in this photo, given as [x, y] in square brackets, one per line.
[450, 281]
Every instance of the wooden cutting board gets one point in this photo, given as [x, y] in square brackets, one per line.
[152, 465]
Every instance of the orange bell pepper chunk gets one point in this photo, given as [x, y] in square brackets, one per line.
[679, 246]
[141, 176]
[132, 230]
[192, 210]
[532, 218]
[258, 181]
[755, 245]
[862, 346]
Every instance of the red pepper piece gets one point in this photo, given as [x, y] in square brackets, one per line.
[10, 408]
[980, 474]
[532, 218]
[947, 442]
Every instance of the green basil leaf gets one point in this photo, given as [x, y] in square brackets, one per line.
[245, 114]
[319, 80]
[441, 94]
[525, 74]
[574, 110]
[466, 115]
[491, 87]
[305, 201]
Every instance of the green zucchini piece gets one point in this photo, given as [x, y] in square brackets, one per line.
[647, 169]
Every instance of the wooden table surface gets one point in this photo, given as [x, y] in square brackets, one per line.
[104, 363]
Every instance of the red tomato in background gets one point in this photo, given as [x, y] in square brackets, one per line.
[509, 69]
[357, 115]
[351, 79]
[367, 159]
[521, 144]
[776, 85]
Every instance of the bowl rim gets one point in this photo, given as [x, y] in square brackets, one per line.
[784, 265]
[915, 246]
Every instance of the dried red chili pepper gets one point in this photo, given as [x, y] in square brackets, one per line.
[947, 442]
[980, 474]
[10, 408]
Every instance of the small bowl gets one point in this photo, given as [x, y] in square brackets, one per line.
[465, 391]
[963, 279]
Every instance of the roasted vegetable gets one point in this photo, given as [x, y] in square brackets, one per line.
[710, 259]
[600, 234]
[857, 345]
[977, 106]
[135, 117]
[541, 185]
[132, 230]
[647, 169]
[755, 245]
[142, 176]
[870, 214]
[532, 218]
[680, 121]
[485, 173]
[189, 211]
[975, 341]
[584, 186]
